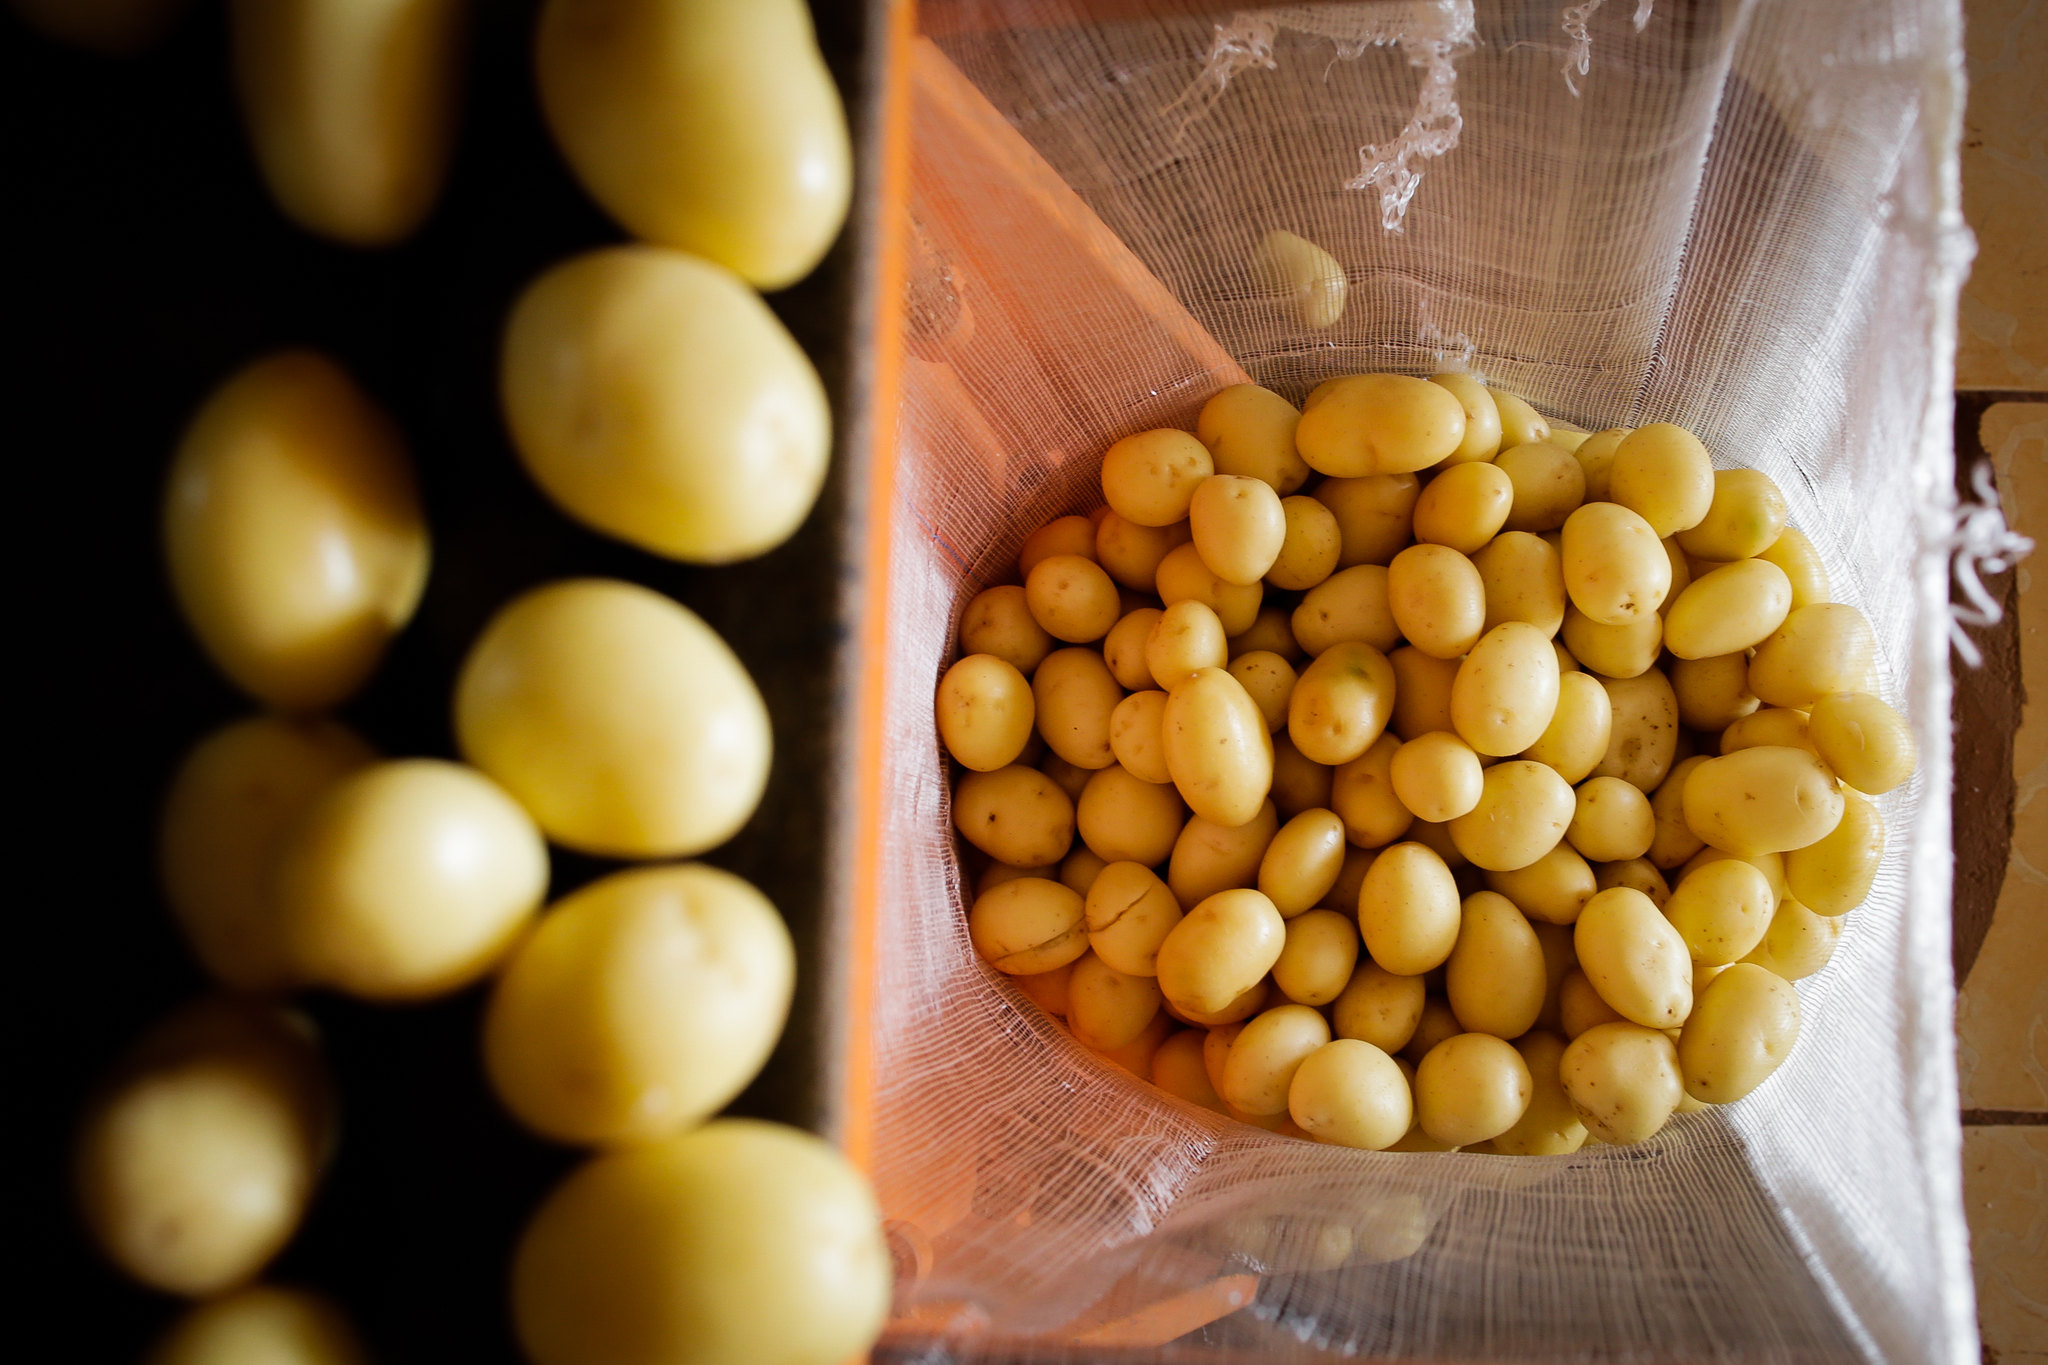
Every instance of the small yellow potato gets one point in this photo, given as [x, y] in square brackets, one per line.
[1066, 776]
[1317, 960]
[1639, 874]
[1028, 926]
[261, 1325]
[1124, 818]
[1795, 554]
[1269, 681]
[1495, 977]
[1221, 949]
[1635, 958]
[1799, 942]
[1379, 1007]
[1776, 725]
[1772, 865]
[1150, 478]
[1270, 632]
[1506, 690]
[1820, 650]
[1375, 515]
[1208, 857]
[1075, 695]
[1613, 822]
[1482, 419]
[1623, 1080]
[1079, 869]
[1464, 507]
[1596, 458]
[1576, 739]
[1713, 692]
[1642, 740]
[1341, 703]
[1728, 610]
[1763, 800]
[1520, 424]
[1615, 568]
[1558, 959]
[1132, 553]
[995, 874]
[1437, 776]
[1745, 1024]
[1350, 1093]
[1550, 1126]
[1136, 1055]
[1551, 890]
[1137, 736]
[1662, 473]
[1745, 518]
[1408, 911]
[1436, 1024]
[406, 880]
[1123, 649]
[647, 1000]
[1866, 743]
[1239, 526]
[1436, 599]
[1524, 809]
[1343, 893]
[196, 1160]
[1310, 278]
[1179, 1068]
[1580, 1006]
[1299, 784]
[1548, 486]
[986, 712]
[999, 622]
[1353, 604]
[1523, 577]
[1129, 912]
[1108, 1009]
[1301, 861]
[622, 722]
[1437, 839]
[293, 531]
[1380, 424]
[1624, 651]
[1265, 1056]
[1216, 1043]
[1072, 598]
[1721, 910]
[1250, 431]
[1471, 1087]
[1247, 1003]
[1832, 875]
[1060, 536]
[1016, 815]
[229, 808]
[1186, 639]
[1422, 692]
[1362, 794]
[1183, 577]
[1309, 547]
[1218, 749]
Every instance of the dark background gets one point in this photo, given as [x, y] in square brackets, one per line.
[149, 264]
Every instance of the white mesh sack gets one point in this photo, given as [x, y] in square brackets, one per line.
[1738, 215]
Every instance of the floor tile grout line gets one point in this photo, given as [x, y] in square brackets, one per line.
[2005, 1118]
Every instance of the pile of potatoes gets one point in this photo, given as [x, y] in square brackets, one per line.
[1443, 778]
[654, 396]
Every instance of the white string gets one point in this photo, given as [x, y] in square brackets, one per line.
[1981, 543]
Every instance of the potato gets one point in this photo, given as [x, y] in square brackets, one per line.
[1721, 911]
[620, 720]
[1821, 649]
[234, 797]
[1221, 949]
[1673, 842]
[1250, 431]
[1351, 1094]
[1798, 943]
[1437, 776]
[1643, 739]
[1353, 604]
[1123, 649]
[1302, 861]
[1662, 473]
[1265, 1056]
[1772, 865]
[1128, 913]
[999, 622]
[1728, 610]
[1437, 1024]
[985, 712]
[1866, 743]
[1623, 1080]
[1495, 977]
[1299, 784]
[1745, 518]
[1136, 1055]
[1550, 1126]
[1243, 1006]
[1762, 800]
[1577, 737]
[1217, 747]
[1523, 576]
[1638, 874]
[1506, 690]
[1183, 577]
[1436, 599]
[1771, 725]
[1309, 547]
[1422, 692]
[1137, 737]
[1107, 1009]
[1079, 869]
[1624, 651]
[1595, 455]
[1635, 958]
[1795, 554]
[1150, 478]
[1375, 515]
[1463, 507]
[1121, 817]
[1362, 794]
[1548, 485]
[406, 880]
[1524, 809]
[1408, 911]
[1341, 703]
[995, 874]
[261, 1325]
[1615, 568]
[1316, 962]
[1471, 1087]
[1178, 1069]
[1075, 695]
[1437, 839]
[1072, 598]
[1310, 277]
[1132, 553]
[1269, 681]
[1580, 1007]
[1551, 890]
[293, 531]
[1833, 875]
[1380, 424]
[1482, 418]
[1186, 639]
[1239, 526]
[1064, 775]
[1074, 535]
[1520, 424]
[1681, 573]
[1613, 822]
[1208, 857]
[1016, 815]
[1379, 1007]
[1713, 692]
[1270, 632]
[1745, 1024]
[196, 1161]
